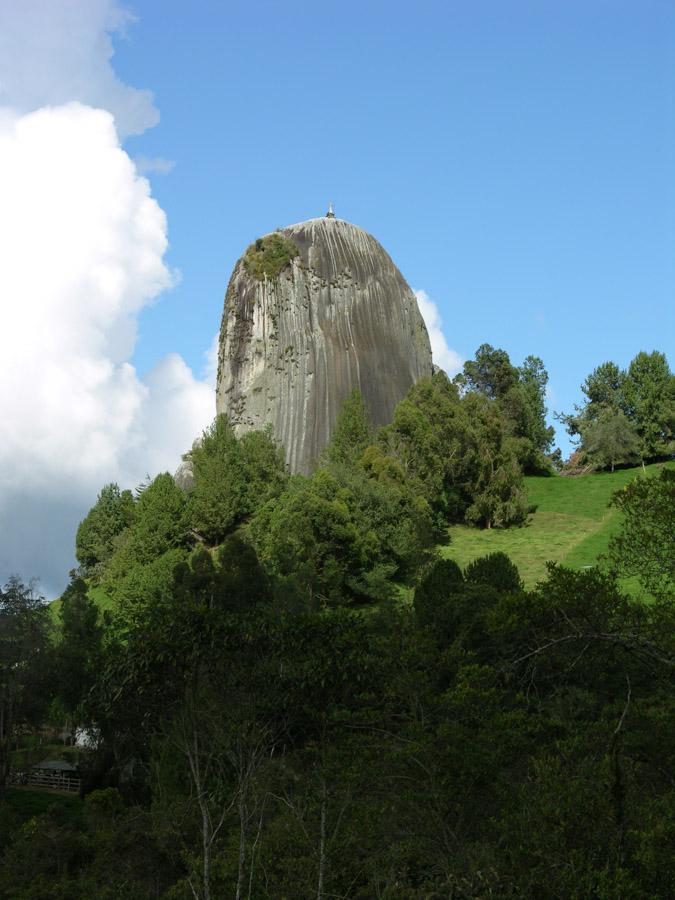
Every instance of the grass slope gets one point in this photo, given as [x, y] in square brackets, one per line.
[572, 525]
[97, 594]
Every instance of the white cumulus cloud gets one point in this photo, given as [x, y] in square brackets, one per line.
[56, 51]
[444, 357]
[82, 245]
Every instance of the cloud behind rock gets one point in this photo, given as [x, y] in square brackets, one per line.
[443, 355]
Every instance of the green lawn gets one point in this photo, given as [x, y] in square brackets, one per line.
[572, 525]
[97, 594]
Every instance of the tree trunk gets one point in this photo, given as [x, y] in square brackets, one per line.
[5, 738]
[322, 844]
[242, 849]
[206, 849]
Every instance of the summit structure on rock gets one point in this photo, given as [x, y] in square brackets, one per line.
[313, 311]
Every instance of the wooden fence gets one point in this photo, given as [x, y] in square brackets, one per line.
[53, 780]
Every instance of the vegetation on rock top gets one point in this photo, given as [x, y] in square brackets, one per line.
[268, 256]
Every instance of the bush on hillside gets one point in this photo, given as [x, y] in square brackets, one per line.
[496, 570]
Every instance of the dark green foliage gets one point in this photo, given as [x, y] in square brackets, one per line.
[495, 570]
[490, 373]
[513, 744]
[218, 499]
[430, 438]
[100, 848]
[269, 255]
[498, 492]
[159, 531]
[262, 733]
[537, 437]
[351, 433]
[610, 439]
[233, 478]
[604, 388]
[133, 587]
[233, 580]
[112, 514]
[650, 399]
[456, 615]
[24, 665]
[78, 652]
[627, 414]
[457, 454]
[344, 535]
[438, 582]
[159, 523]
[519, 395]
[644, 546]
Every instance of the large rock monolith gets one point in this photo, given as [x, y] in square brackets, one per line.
[313, 311]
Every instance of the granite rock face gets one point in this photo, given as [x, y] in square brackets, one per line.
[338, 316]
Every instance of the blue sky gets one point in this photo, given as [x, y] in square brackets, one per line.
[516, 160]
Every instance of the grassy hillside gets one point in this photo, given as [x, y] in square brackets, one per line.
[572, 525]
[97, 594]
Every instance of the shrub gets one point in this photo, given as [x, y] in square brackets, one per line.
[269, 255]
[495, 569]
[439, 581]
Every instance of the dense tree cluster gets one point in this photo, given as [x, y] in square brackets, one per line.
[293, 695]
[519, 395]
[363, 523]
[628, 415]
[486, 741]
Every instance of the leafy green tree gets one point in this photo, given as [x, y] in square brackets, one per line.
[344, 534]
[134, 587]
[610, 439]
[160, 520]
[232, 478]
[351, 433]
[309, 533]
[498, 494]
[147, 550]
[490, 373]
[78, 651]
[111, 515]
[604, 388]
[457, 454]
[25, 661]
[640, 400]
[520, 394]
[435, 586]
[649, 392]
[232, 578]
[201, 660]
[496, 570]
[532, 382]
[644, 545]
[430, 438]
